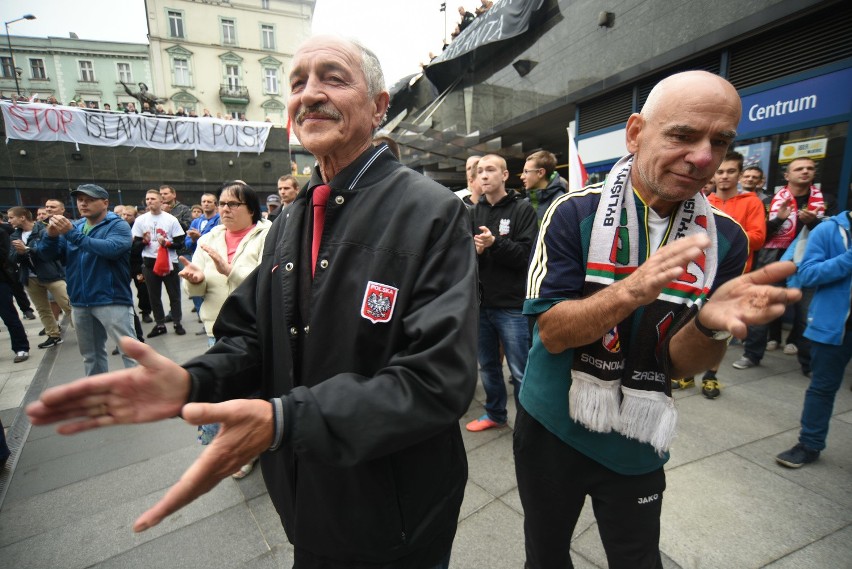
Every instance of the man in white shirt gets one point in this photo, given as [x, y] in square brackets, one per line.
[151, 231]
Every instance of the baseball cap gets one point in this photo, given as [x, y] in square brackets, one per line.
[91, 190]
[274, 199]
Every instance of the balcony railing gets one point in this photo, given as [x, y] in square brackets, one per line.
[233, 94]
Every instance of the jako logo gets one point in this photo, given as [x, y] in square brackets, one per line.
[649, 499]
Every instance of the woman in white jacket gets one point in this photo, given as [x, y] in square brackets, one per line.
[223, 259]
[228, 253]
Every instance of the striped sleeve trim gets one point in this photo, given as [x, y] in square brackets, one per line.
[538, 262]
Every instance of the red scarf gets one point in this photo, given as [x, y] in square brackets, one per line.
[787, 232]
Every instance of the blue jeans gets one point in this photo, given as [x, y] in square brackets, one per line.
[827, 366]
[96, 324]
[511, 328]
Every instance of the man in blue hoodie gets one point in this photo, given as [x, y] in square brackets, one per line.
[826, 266]
[96, 250]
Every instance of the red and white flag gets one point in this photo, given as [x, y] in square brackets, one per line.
[577, 176]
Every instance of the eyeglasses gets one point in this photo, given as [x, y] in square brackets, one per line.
[231, 205]
[531, 171]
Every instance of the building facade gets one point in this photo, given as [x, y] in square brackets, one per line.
[521, 74]
[72, 69]
[230, 58]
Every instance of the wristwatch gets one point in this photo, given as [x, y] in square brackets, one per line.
[712, 334]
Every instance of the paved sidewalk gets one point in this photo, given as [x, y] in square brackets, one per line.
[70, 501]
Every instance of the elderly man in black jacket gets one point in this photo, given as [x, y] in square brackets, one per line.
[358, 329]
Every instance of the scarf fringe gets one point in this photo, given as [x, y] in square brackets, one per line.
[648, 417]
[593, 402]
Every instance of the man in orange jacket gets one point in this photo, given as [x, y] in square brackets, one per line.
[747, 209]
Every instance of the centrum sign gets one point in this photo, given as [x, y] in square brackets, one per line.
[813, 99]
[49, 123]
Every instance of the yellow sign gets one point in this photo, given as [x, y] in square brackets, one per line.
[814, 148]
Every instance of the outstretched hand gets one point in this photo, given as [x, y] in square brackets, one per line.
[665, 265]
[154, 390]
[750, 299]
[245, 432]
[221, 263]
[191, 271]
[157, 389]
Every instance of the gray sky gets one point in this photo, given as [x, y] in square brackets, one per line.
[401, 32]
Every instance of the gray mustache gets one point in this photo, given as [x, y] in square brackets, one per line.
[323, 111]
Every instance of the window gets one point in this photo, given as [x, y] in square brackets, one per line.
[233, 74]
[229, 32]
[124, 72]
[264, 4]
[235, 112]
[271, 80]
[181, 67]
[6, 63]
[267, 36]
[175, 24]
[37, 69]
[87, 72]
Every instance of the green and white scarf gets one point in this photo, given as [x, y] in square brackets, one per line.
[621, 383]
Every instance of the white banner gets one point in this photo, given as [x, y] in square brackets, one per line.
[41, 122]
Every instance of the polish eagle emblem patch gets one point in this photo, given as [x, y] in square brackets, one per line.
[379, 301]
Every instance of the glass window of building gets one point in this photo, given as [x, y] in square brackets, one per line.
[264, 4]
[181, 69]
[267, 36]
[37, 69]
[825, 145]
[271, 80]
[124, 72]
[175, 24]
[229, 32]
[232, 73]
[87, 72]
[6, 63]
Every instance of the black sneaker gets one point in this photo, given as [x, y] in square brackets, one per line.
[179, 330]
[43, 332]
[115, 352]
[29, 315]
[797, 456]
[169, 317]
[158, 330]
[50, 342]
[146, 318]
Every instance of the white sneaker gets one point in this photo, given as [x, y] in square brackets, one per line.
[771, 346]
[791, 349]
[744, 363]
[21, 357]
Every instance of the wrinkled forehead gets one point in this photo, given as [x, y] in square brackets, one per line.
[326, 52]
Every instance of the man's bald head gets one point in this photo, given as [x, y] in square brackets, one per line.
[681, 136]
[674, 87]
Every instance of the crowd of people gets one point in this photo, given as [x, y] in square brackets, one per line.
[346, 358]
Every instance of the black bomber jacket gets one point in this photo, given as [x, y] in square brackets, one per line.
[374, 368]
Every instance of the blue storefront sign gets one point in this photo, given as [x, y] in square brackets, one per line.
[805, 101]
